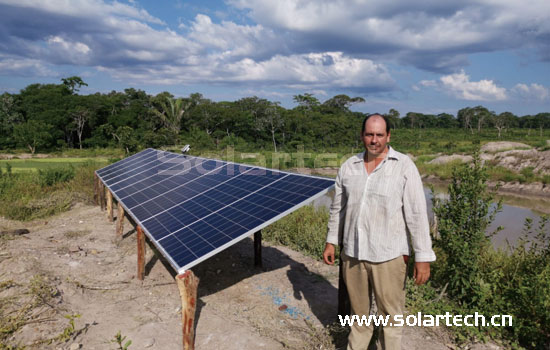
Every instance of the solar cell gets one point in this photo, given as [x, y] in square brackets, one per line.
[192, 207]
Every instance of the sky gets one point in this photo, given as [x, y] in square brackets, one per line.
[427, 56]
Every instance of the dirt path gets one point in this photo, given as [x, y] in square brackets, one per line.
[92, 274]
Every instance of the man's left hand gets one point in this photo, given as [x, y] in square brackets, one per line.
[421, 272]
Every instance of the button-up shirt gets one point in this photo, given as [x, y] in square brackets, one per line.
[374, 215]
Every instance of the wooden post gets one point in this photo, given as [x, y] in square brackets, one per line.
[258, 248]
[140, 254]
[119, 220]
[96, 189]
[102, 195]
[110, 206]
[344, 305]
[187, 285]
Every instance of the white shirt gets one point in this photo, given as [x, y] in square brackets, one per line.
[374, 215]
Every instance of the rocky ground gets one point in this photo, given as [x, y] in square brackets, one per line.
[74, 267]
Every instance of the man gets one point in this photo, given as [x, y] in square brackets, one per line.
[378, 204]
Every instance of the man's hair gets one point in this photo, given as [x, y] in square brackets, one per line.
[379, 115]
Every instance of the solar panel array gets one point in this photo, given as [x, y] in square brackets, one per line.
[193, 207]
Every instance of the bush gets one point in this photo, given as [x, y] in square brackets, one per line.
[462, 222]
[52, 176]
[304, 230]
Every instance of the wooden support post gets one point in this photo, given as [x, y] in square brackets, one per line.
[102, 195]
[140, 254]
[110, 206]
[258, 248]
[96, 189]
[344, 305]
[119, 220]
[188, 284]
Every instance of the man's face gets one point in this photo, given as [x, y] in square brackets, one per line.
[375, 137]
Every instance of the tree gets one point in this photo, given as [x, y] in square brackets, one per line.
[470, 116]
[342, 102]
[502, 121]
[393, 118]
[306, 101]
[9, 117]
[73, 83]
[171, 112]
[272, 120]
[446, 120]
[80, 117]
[32, 134]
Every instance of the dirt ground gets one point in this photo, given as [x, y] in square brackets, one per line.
[91, 273]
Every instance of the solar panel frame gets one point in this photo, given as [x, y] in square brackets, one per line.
[145, 158]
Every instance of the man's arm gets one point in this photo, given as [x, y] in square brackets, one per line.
[416, 218]
[334, 234]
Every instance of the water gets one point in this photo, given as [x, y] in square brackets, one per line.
[512, 217]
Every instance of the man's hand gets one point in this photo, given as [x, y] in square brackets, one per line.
[421, 272]
[328, 254]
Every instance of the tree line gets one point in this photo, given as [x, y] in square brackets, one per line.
[55, 116]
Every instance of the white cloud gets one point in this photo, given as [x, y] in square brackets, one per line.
[25, 67]
[85, 8]
[319, 70]
[532, 92]
[230, 39]
[428, 83]
[461, 87]
[431, 35]
[72, 52]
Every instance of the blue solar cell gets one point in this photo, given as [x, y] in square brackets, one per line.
[191, 207]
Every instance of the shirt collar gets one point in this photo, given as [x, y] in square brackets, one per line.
[392, 154]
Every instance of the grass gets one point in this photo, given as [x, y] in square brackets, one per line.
[303, 230]
[24, 165]
[30, 195]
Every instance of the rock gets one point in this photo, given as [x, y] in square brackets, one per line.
[503, 146]
[75, 346]
[149, 342]
[447, 159]
[18, 232]
[74, 249]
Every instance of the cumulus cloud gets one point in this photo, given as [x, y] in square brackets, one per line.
[122, 40]
[531, 92]
[24, 67]
[460, 86]
[231, 39]
[306, 44]
[431, 35]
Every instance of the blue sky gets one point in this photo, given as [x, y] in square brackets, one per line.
[428, 56]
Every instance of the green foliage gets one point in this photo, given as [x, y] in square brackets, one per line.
[25, 196]
[69, 331]
[516, 283]
[304, 230]
[119, 339]
[32, 134]
[462, 222]
[52, 176]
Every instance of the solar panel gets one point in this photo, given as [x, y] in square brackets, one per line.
[192, 207]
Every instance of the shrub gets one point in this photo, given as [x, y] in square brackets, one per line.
[52, 176]
[462, 221]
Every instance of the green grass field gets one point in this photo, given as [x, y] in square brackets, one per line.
[23, 165]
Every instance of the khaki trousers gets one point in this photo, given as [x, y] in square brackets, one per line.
[387, 281]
